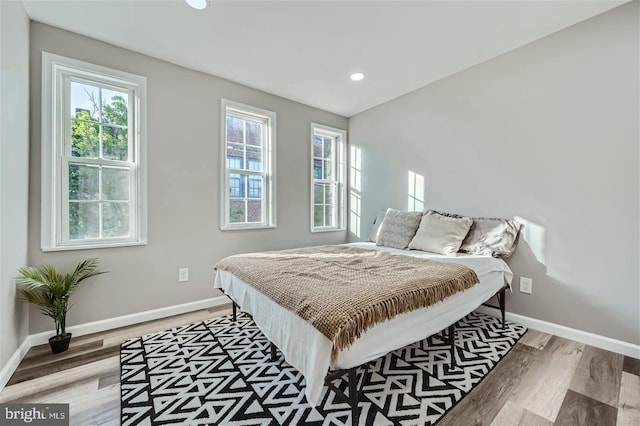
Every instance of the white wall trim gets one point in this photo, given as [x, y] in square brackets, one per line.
[104, 325]
[603, 342]
[14, 361]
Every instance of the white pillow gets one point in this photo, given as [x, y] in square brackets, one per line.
[440, 234]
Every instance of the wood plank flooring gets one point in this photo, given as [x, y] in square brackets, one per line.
[545, 380]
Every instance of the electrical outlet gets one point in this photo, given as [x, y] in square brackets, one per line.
[526, 285]
[183, 275]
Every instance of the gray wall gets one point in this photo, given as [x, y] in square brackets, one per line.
[183, 184]
[548, 133]
[14, 175]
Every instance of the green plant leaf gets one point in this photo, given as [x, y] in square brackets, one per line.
[51, 291]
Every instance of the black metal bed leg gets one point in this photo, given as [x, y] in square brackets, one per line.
[234, 308]
[353, 395]
[452, 340]
[273, 352]
[501, 301]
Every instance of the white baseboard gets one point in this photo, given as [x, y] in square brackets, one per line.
[592, 339]
[122, 321]
[14, 361]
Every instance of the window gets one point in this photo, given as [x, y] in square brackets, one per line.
[93, 164]
[248, 183]
[328, 151]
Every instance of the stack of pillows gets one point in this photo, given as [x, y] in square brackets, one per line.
[445, 233]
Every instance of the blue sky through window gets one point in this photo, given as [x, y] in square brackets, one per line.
[81, 97]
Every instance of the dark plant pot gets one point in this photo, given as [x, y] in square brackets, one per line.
[60, 343]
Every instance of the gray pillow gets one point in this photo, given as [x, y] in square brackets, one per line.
[398, 228]
[440, 234]
[494, 237]
[373, 233]
[490, 236]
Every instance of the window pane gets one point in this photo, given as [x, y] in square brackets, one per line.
[254, 133]
[84, 220]
[84, 182]
[237, 211]
[254, 211]
[328, 216]
[328, 148]
[318, 215]
[255, 187]
[235, 156]
[317, 169]
[328, 170]
[115, 107]
[254, 157]
[115, 184]
[318, 193]
[234, 129]
[317, 146]
[85, 100]
[85, 139]
[115, 219]
[115, 143]
[255, 165]
[236, 186]
[330, 193]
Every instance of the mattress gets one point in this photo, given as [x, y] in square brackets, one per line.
[307, 350]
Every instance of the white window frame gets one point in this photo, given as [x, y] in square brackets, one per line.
[341, 173]
[57, 73]
[268, 166]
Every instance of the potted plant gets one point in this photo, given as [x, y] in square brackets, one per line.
[51, 291]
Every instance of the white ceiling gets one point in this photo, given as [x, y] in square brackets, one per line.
[306, 50]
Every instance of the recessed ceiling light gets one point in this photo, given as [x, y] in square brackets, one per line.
[197, 4]
[357, 76]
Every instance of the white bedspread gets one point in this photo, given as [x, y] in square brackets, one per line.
[308, 350]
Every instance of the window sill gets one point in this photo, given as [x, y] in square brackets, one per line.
[94, 246]
[319, 230]
[246, 227]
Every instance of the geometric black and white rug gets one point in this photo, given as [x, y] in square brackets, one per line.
[219, 372]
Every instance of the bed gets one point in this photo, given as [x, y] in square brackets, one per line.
[309, 351]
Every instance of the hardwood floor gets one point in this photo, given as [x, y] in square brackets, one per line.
[544, 380]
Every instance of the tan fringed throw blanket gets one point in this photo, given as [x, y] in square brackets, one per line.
[343, 291]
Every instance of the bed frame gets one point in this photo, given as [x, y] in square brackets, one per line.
[355, 391]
